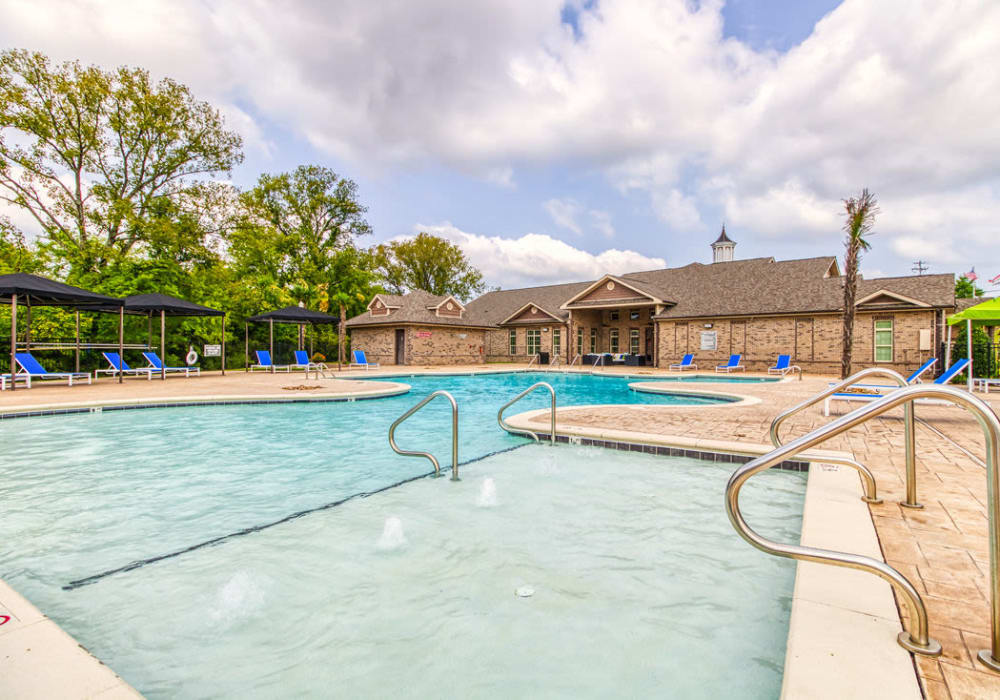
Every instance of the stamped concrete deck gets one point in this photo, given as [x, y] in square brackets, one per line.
[942, 549]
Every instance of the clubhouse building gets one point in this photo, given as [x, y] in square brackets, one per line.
[759, 308]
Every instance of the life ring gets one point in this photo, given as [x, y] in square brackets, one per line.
[192, 356]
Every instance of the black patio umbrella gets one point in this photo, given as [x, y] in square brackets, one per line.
[171, 306]
[289, 314]
[33, 290]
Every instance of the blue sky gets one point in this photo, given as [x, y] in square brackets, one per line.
[555, 140]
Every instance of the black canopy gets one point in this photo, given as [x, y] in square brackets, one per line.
[294, 314]
[171, 306]
[40, 291]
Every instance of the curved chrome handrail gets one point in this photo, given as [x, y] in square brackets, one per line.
[416, 453]
[909, 433]
[519, 431]
[917, 639]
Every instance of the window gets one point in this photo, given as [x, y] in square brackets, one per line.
[614, 340]
[579, 340]
[633, 315]
[652, 312]
[513, 342]
[534, 341]
[883, 341]
[633, 341]
[613, 315]
[556, 341]
[593, 341]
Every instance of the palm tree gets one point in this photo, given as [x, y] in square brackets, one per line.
[861, 211]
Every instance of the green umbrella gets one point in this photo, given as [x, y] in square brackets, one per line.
[984, 314]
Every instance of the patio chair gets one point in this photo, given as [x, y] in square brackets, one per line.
[732, 365]
[915, 377]
[118, 365]
[360, 360]
[687, 362]
[33, 370]
[302, 361]
[264, 362]
[157, 366]
[5, 380]
[877, 393]
[783, 366]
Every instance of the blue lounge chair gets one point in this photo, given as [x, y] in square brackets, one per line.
[302, 361]
[879, 391]
[360, 360]
[264, 362]
[687, 362]
[32, 370]
[915, 377]
[783, 366]
[732, 365]
[157, 366]
[117, 364]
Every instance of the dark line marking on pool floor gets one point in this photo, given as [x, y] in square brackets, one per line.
[78, 583]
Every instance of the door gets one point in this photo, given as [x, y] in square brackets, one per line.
[400, 346]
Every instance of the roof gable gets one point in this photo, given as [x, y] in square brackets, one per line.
[529, 313]
[884, 297]
[610, 290]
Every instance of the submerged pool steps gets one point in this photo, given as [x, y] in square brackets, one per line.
[915, 639]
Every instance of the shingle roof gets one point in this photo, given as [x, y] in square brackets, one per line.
[415, 307]
[755, 287]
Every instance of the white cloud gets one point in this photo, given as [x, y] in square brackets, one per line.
[898, 96]
[534, 258]
[564, 213]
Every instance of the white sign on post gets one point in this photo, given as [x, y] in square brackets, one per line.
[708, 340]
[212, 351]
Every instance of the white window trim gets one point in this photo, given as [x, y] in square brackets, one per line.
[614, 338]
[512, 346]
[633, 335]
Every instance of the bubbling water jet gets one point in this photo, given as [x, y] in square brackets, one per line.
[393, 536]
[487, 493]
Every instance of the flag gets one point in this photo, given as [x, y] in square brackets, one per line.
[995, 280]
[971, 275]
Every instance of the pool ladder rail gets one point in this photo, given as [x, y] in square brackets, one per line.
[552, 429]
[427, 455]
[916, 639]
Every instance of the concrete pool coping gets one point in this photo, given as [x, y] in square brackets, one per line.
[23, 411]
[843, 625]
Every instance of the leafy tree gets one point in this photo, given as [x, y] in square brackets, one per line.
[352, 284]
[430, 263]
[861, 212]
[16, 255]
[90, 153]
[965, 289]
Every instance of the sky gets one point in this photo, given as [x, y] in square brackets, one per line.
[557, 141]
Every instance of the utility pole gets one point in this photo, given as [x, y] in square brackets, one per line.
[920, 267]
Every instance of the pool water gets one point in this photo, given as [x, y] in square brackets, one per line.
[640, 588]
[312, 606]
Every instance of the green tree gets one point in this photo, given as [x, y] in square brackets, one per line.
[965, 289]
[16, 255]
[430, 263]
[861, 212]
[90, 153]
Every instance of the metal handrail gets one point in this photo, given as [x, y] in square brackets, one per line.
[909, 432]
[416, 453]
[509, 429]
[917, 639]
[599, 360]
[578, 357]
[533, 361]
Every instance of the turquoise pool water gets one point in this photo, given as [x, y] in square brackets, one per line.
[312, 606]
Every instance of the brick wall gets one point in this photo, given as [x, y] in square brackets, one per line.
[434, 345]
[498, 342]
[814, 342]
[379, 344]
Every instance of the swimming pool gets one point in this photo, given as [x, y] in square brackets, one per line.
[86, 494]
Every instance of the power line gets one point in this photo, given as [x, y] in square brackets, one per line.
[920, 267]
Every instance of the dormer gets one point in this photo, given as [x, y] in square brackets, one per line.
[449, 307]
[380, 306]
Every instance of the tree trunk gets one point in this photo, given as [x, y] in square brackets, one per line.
[340, 337]
[850, 294]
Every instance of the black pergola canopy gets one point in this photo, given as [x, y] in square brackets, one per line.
[294, 314]
[171, 306]
[39, 291]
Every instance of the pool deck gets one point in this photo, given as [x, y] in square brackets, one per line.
[942, 549]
